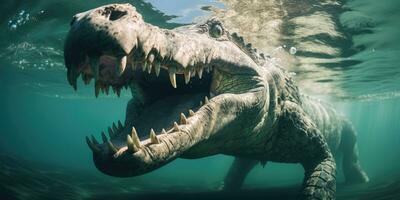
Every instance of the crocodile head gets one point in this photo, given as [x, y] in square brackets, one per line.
[190, 86]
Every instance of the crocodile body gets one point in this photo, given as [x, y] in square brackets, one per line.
[223, 98]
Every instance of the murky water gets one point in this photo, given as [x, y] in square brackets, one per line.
[345, 52]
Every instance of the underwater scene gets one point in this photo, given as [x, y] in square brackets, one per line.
[207, 99]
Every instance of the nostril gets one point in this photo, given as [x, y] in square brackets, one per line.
[116, 14]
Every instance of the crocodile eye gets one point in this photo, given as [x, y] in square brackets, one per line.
[216, 31]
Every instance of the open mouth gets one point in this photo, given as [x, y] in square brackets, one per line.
[187, 84]
[166, 93]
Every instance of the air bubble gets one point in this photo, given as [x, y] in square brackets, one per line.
[292, 50]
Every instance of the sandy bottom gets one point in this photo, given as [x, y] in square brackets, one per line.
[25, 180]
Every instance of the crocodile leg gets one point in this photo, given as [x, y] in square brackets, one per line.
[351, 166]
[319, 182]
[237, 173]
[304, 143]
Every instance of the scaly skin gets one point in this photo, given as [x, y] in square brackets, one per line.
[254, 110]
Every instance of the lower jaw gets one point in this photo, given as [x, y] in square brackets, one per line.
[164, 112]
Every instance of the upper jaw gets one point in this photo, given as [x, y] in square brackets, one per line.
[132, 42]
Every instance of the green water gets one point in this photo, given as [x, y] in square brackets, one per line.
[43, 121]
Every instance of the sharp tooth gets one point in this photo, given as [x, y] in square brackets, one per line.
[157, 68]
[112, 148]
[200, 72]
[153, 137]
[94, 140]
[191, 113]
[187, 76]
[176, 127]
[102, 90]
[183, 119]
[97, 88]
[172, 78]
[94, 66]
[104, 137]
[110, 133]
[120, 126]
[135, 138]
[149, 68]
[163, 131]
[131, 147]
[192, 73]
[201, 103]
[115, 129]
[151, 58]
[206, 101]
[121, 66]
[92, 146]
[144, 66]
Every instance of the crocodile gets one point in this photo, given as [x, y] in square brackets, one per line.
[199, 90]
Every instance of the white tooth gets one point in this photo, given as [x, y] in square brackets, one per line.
[176, 126]
[192, 73]
[131, 146]
[151, 58]
[187, 76]
[163, 131]
[191, 113]
[157, 68]
[172, 78]
[208, 69]
[112, 147]
[135, 138]
[153, 137]
[201, 103]
[149, 66]
[144, 66]
[183, 119]
[206, 101]
[200, 72]
[121, 66]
